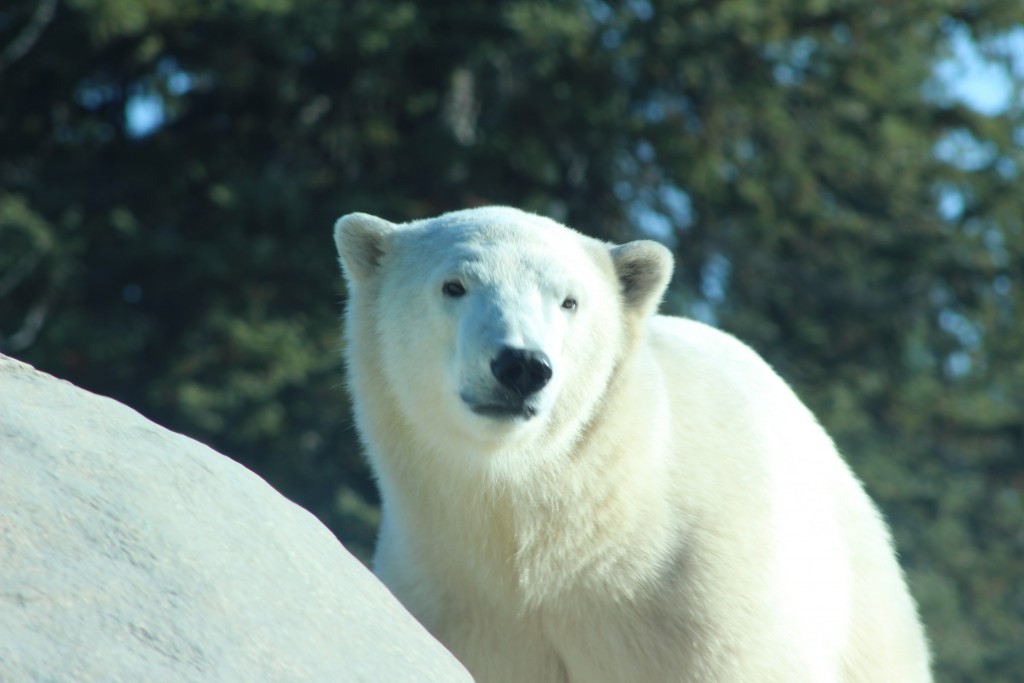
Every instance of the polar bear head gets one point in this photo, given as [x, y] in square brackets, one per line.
[482, 328]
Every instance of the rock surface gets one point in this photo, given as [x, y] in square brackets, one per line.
[130, 553]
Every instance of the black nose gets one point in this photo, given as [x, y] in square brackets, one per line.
[524, 372]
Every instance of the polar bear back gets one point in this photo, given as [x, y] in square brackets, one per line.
[775, 457]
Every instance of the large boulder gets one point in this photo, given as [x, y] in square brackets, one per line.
[130, 553]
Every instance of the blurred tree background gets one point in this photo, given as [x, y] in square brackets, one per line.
[170, 170]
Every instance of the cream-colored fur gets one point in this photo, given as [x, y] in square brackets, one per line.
[666, 510]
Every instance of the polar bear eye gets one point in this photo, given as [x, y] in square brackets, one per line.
[453, 289]
[569, 304]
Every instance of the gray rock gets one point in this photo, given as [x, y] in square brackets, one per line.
[130, 553]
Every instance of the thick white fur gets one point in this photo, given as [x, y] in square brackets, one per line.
[672, 513]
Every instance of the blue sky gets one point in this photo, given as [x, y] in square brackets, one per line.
[975, 76]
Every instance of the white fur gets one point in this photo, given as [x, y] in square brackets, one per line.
[672, 512]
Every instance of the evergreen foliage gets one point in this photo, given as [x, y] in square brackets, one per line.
[169, 172]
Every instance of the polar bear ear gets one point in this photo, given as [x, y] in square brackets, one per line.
[361, 240]
[644, 269]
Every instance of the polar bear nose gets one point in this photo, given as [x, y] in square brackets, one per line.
[524, 372]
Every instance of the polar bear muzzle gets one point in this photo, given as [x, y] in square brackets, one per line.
[521, 371]
[520, 375]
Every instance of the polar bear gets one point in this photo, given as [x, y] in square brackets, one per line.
[575, 488]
